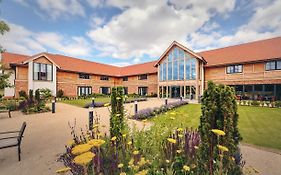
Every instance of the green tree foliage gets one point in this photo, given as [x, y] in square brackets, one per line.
[219, 111]
[4, 78]
[3, 29]
[117, 124]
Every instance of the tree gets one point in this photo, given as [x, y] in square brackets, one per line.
[219, 111]
[4, 77]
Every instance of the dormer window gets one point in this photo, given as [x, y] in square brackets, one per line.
[42, 72]
[234, 69]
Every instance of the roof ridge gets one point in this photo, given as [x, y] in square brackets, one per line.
[235, 45]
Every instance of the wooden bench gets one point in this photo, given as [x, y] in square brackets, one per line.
[12, 139]
[5, 110]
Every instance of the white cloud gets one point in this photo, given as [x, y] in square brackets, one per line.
[148, 27]
[264, 23]
[22, 40]
[58, 8]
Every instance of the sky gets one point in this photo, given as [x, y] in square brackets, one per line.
[124, 32]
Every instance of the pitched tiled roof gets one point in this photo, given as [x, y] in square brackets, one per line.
[78, 65]
[243, 53]
[12, 58]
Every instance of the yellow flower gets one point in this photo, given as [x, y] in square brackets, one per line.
[167, 161]
[113, 138]
[131, 162]
[142, 162]
[180, 135]
[143, 172]
[63, 170]
[79, 149]
[222, 148]
[96, 142]
[218, 132]
[136, 152]
[179, 151]
[84, 158]
[171, 140]
[173, 118]
[186, 168]
[70, 142]
[124, 135]
[180, 129]
[122, 173]
[129, 143]
[117, 115]
[120, 165]
[118, 98]
[173, 113]
[106, 104]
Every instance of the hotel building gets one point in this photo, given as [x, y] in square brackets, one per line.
[253, 69]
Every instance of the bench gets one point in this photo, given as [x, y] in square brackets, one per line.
[4, 111]
[10, 139]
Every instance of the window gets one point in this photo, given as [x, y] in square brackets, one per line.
[234, 69]
[193, 68]
[42, 72]
[84, 76]
[170, 71]
[164, 71]
[125, 78]
[105, 90]
[142, 91]
[104, 78]
[175, 70]
[143, 77]
[84, 90]
[273, 65]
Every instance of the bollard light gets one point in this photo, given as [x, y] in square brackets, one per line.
[136, 107]
[166, 101]
[53, 106]
[181, 98]
[93, 101]
[91, 117]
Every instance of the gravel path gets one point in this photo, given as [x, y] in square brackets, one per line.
[47, 133]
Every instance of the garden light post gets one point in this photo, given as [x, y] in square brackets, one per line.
[181, 98]
[166, 101]
[93, 102]
[91, 117]
[53, 106]
[136, 107]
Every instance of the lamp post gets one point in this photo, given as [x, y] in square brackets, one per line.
[166, 101]
[93, 102]
[91, 117]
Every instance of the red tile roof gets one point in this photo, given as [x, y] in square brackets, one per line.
[243, 53]
[249, 52]
[78, 65]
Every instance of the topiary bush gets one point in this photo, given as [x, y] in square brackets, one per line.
[117, 123]
[219, 111]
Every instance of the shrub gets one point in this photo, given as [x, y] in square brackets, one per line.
[219, 111]
[60, 93]
[117, 124]
[11, 105]
[255, 103]
[45, 93]
[23, 94]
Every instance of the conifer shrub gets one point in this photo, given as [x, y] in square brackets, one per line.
[219, 111]
[117, 124]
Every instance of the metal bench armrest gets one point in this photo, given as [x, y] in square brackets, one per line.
[9, 132]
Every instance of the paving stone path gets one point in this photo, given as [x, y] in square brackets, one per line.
[47, 133]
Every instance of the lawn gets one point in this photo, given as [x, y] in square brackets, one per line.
[258, 125]
[83, 102]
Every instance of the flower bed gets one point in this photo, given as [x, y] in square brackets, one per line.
[150, 112]
[275, 104]
[103, 104]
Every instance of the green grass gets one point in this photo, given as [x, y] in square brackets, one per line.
[83, 102]
[259, 126]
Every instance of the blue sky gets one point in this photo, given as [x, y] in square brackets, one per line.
[123, 32]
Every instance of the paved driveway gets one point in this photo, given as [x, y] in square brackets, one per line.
[47, 133]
